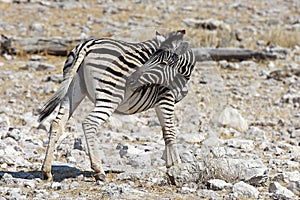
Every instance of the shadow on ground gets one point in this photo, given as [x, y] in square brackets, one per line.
[59, 172]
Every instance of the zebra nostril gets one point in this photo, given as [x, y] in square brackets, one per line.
[131, 82]
[134, 78]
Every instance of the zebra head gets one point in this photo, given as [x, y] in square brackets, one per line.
[173, 59]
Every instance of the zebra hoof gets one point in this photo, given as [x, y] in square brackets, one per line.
[100, 177]
[47, 176]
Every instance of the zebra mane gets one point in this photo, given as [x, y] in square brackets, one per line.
[175, 42]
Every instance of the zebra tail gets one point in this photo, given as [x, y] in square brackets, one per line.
[71, 66]
[53, 102]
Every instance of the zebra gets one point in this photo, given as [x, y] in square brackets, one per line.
[100, 70]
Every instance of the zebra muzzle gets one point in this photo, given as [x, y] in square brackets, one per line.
[133, 80]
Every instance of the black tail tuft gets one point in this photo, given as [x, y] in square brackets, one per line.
[72, 64]
[49, 107]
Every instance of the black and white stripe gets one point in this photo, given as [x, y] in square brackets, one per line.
[170, 66]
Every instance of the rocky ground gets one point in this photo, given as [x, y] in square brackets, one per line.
[238, 128]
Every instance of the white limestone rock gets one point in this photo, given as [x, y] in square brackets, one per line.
[230, 117]
[242, 189]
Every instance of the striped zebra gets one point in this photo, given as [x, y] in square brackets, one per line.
[100, 70]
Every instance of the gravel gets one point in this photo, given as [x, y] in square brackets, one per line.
[238, 128]
[280, 192]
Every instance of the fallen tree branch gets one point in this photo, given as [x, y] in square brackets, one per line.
[61, 46]
[230, 54]
[53, 46]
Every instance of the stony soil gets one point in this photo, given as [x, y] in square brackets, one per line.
[238, 128]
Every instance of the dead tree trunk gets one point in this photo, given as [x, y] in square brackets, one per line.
[53, 46]
[61, 46]
[230, 54]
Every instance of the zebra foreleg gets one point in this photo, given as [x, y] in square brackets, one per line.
[165, 112]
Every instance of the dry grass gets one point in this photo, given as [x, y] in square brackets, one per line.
[279, 36]
[199, 38]
[51, 17]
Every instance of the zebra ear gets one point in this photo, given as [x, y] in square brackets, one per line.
[161, 38]
[182, 48]
[181, 31]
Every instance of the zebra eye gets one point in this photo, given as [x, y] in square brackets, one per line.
[175, 57]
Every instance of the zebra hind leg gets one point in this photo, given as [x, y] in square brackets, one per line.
[54, 134]
[68, 105]
[165, 113]
[93, 121]
[90, 128]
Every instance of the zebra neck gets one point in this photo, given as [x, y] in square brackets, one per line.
[150, 45]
